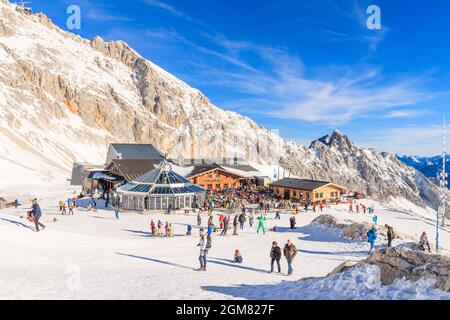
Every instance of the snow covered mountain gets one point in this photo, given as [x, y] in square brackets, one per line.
[64, 98]
[429, 166]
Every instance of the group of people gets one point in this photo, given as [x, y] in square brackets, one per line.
[289, 252]
[68, 205]
[359, 207]
[160, 230]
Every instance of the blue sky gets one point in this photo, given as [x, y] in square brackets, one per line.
[303, 67]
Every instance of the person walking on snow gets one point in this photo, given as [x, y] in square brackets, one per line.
[71, 208]
[225, 226]
[390, 235]
[261, 224]
[199, 219]
[321, 206]
[117, 212]
[277, 215]
[235, 225]
[371, 238]
[275, 255]
[290, 252]
[250, 220]
[203, 250]
[375, 219]
[242, 219]
[36, 209]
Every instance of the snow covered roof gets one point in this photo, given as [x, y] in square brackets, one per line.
[161, 180]
[137, 151]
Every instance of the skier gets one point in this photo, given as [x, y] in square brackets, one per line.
[290, 251]
[357, 208]
[189, 230]
[16, 203]
[314, 206]
[237, 257]
[350, 208]
[199, 219]
[390, 235]
[364, 208]
[37, 213]
[275, 255]
[423, 243]
[170, 231]
[203, 243]
[371, 237]
[292, 222]
[261, 224]
[321, 207]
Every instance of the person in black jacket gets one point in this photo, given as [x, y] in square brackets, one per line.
[37, 215]
[275, 255]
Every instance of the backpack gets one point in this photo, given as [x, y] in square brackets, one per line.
[208, 242]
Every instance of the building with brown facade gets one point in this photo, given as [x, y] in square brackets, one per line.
[215, 176]
[302, 189]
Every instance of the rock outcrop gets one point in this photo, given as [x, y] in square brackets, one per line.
[354, 230]
[403, 262]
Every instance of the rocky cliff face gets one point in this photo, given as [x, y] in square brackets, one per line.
[64, 98]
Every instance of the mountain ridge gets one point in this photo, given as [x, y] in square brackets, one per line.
[64, 98]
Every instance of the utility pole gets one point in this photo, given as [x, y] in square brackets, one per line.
[443, 184]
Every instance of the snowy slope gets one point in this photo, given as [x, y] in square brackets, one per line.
[92, 256]
[64, 98]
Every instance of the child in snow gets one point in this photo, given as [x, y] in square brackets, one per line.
[166, 227]
[237, 257]
[160, 230]
[170, 231]
[153, 228]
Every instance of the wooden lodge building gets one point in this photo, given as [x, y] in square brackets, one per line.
[215, 176]
[301, 189]
[126, 162]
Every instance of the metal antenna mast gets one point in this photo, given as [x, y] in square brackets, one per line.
[21, 6]
[443, 184]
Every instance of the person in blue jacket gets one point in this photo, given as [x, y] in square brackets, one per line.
[371, 237]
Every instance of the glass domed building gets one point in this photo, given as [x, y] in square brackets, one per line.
[160, 189]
